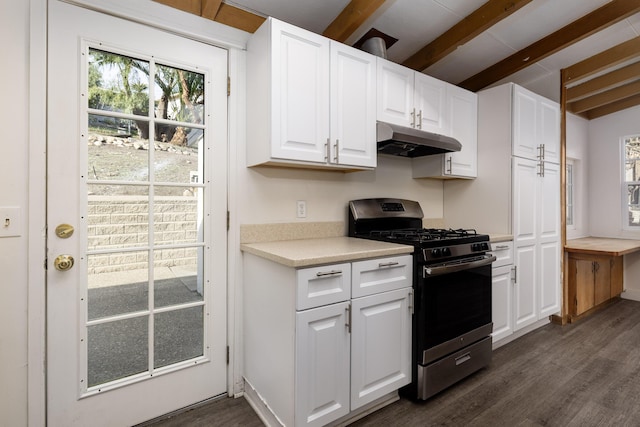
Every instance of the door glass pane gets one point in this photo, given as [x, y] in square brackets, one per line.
[179, 162]
[178, 276]
[118, 149]
[117, 216]
[177, 214]
[118, 83]
[179, 95]
[118, 283]
[178, 336]
[117, 349]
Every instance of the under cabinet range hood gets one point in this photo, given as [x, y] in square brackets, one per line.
[403, 141]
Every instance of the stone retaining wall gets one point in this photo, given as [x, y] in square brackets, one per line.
[116, 222]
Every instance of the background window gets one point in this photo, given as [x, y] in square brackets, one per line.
[570, 192]
[631, 180]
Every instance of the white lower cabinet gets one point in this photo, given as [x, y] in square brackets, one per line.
[310, 366]
[502, 290]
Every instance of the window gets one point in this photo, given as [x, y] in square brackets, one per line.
[570, 194]
[631, 181]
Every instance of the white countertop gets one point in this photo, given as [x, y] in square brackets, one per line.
[308, 252]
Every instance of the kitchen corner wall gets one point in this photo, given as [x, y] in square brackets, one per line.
[577, 152]
[269, 195]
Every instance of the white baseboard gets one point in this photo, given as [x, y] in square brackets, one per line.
[632, 294]
[260, 407]
[521, 332]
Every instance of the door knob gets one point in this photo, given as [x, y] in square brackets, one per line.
[63, 262]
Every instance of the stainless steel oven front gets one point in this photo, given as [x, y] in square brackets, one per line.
[452, 322]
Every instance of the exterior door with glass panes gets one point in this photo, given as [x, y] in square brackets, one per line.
[136, 212]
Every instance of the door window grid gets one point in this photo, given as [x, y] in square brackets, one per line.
[155, 250]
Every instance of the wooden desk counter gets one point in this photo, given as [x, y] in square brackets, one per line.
[602, 246]
[595, 272]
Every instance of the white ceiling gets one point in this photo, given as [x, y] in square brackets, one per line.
[417, 22]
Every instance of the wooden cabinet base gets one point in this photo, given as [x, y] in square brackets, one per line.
[593, 281]
[574, 318]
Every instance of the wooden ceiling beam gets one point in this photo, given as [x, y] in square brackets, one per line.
[209, 8]
[190, 6]
[351, 18]
[238, 18]
[603, 60]
[604, 98]
[480, 20]
[601, 18]
[607, 81]
[614, 107]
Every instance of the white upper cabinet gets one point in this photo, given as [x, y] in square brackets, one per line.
[536, 130]
[353, 106]
[309, 100]
[411, 99]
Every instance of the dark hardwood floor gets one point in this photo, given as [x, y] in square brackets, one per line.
[585, 374]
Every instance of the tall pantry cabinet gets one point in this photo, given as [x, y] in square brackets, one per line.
[517, 192]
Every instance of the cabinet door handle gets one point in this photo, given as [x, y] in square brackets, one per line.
[413, 118]
[411, 300]
[336, 147]
[348, 318]
[502, 247]
[328, 273]
[419, 120]
[543, 152]
[514, 277]
[326, 150]
[449, 165]
[387, 264]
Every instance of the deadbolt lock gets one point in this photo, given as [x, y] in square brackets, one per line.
[64, 231]
[63, 262]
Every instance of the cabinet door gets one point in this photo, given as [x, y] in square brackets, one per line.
[526, 279]
[380, 345]
[395, 102]
[321, 365]
[525, 201]
[584, 284]
[463, 113]
[353, 107]
[501, 302]
[602, 280]
[300, 94]
[549, 129]
[430, 101]
[525, 123]
[548, 234]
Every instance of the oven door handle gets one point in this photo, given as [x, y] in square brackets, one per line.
[452, 268]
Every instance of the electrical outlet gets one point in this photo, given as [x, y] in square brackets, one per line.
[301, 209]
[10, 222]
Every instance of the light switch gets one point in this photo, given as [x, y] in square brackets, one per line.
[10, 221]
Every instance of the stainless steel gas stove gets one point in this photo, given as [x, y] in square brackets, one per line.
[452, 287]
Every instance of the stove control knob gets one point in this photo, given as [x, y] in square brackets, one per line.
[485, 246]
[475, 247]
[446, 251]
[436, 252]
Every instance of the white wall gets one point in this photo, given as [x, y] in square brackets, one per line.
[605, 173]
[577, 151]
[14, 174]
[605, 191]
[269, 195]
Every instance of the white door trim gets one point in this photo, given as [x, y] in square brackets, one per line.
[36, 303]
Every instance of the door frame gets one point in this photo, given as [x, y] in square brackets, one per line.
[178, 23]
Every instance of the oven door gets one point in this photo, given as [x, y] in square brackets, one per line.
[455, 300]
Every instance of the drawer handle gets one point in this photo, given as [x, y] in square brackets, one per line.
[328, 273]
[387, 264]
[501, 247]
[464, 358]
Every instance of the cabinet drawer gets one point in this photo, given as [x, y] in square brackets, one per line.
[324, 285]
[381, 275]
[503, 252]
